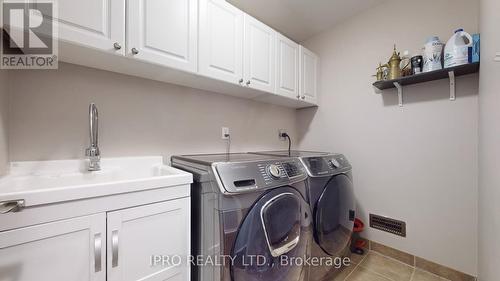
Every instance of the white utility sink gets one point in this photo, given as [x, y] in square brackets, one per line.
[45, 182]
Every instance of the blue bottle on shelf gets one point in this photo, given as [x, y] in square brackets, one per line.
[475, 49]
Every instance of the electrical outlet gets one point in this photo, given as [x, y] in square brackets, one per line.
[280, 134]
[225, 133]
[497, 58]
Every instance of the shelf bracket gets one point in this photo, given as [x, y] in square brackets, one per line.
[451, 74]
[400, 93]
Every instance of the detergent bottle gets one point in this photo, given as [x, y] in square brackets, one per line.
[456, 51]
[432, 52]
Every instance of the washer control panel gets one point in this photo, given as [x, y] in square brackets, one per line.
[275, 171]
[318, 166]
[249, 176]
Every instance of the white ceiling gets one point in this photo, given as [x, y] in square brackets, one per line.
[302, 19]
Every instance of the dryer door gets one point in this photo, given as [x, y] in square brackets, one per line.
[334, 215]
[276, 228]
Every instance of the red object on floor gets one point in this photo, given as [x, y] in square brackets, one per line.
[360, 243]
[358, 225]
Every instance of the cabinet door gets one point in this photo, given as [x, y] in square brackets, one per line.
[136, 234]
[64, 250]
[308, 75]
[259, 55]
[98, 24]
[287, 67]
[163, 32]
[221, 41]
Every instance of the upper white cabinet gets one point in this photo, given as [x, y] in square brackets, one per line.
[308, 75]
[137, 233]
[98, 24]
[216, 47]
[221, 41]
[163, 32]
[72, 249]
[287, 67]
[259, 54]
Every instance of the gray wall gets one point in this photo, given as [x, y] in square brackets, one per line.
[489, 144]
[4, 112]
[417, 163]
[49, 116]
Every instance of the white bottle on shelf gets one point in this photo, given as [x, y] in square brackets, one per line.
[433, 50]
[456, 51]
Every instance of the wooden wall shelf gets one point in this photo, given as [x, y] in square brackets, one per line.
[450, 73]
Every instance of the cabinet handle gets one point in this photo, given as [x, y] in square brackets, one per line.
[117, 46]
[241, 81]
[114, 248]
[11, 206]
[97, 252]
[248, 83]
[135, 51]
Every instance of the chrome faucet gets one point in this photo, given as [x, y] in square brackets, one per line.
[93, 152]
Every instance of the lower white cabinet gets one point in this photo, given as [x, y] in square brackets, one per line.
[113, 246]
[135, 234]
[72, 249]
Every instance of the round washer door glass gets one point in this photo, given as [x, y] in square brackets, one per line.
[334, 215]
[277, 228]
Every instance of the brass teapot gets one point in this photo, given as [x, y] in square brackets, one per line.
[394, 65]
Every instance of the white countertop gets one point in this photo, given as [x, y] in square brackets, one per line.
[46, 182]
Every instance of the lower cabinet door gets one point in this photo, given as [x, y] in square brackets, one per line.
[72, 250]
[150, 242]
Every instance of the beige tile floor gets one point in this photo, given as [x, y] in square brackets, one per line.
[376, 267]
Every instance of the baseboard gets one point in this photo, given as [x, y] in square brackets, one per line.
[417, 262]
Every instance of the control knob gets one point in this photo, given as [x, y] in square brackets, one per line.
[334, 163]
[274, 171]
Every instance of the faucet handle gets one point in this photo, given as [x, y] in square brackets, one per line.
[94, 158]
[94, 165]
[92, 152]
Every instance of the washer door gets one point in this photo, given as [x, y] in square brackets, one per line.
[276, 228]
[334, 215]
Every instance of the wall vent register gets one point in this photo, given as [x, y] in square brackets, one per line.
[386, 224]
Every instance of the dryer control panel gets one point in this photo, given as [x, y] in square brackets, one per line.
[251, 176]
[328, 165]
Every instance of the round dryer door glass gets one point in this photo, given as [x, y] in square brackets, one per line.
[334, 215]
[277, 228]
